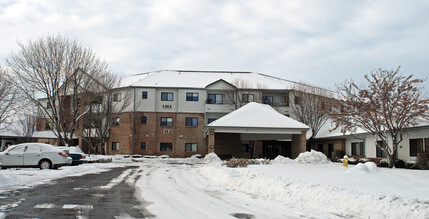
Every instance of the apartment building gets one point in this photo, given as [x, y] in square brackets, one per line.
[170, 109]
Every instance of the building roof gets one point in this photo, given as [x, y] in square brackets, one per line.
[201, 79]
[256, 115]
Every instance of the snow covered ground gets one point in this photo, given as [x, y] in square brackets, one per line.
[194, 188]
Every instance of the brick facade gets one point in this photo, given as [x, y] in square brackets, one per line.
[152, 133]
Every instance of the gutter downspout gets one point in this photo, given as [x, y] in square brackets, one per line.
[134, 123]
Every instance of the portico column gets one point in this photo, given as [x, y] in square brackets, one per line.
[211, 141]
[298, 144]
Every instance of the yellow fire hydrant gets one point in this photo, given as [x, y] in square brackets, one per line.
[345, 161]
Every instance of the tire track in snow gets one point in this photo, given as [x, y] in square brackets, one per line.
[177, 191]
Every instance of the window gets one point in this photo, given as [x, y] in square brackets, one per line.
[426, 144]
[247, 98]
[245, 148]
[115, 146]
[286, 100]
[167, 96]
[267, 100]
[215, 98]
[166, 121]
[143, 120]
[297, 100]
[358, 148]
[117, 97]
[116, 121]
[144, 94]
[47, 125]
[143, 145]
[166, 147]
[191, 147]
[192, 122]
[191, 96]
[210, 120]
[416, 146]
[379, 152]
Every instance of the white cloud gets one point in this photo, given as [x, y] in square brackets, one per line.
[320, 42]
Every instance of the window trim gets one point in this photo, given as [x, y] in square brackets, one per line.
[194, 97]
[191, 122]
[115, 144]
[166, 149]
[165, 96]
[166, 122]
[117, 97]
[191, 147]
[144, 95]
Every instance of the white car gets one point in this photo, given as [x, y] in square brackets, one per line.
[44, 156]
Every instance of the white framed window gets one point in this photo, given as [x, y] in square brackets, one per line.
[117, 97]
[191, 147]
[115, 146]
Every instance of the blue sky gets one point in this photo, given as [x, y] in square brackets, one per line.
[318, 42]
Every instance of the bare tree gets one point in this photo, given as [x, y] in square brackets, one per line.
[388, 103]
[60, 71]
[309, 106]
[105, 112]
[26, 121]
[7, 98]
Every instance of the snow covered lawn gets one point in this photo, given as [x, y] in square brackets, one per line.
[356, 191]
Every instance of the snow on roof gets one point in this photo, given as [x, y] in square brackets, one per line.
[7, 133]
[328, 131]
[200, 79]
[47, 134]
[257, 115]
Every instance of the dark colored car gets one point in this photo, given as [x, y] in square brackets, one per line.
[75, 153]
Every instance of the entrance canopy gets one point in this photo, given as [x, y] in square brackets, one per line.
[256, 121]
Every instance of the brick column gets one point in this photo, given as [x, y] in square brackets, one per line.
[298, 144]
[211, 141]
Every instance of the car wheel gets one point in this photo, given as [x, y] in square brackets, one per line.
[45, 164]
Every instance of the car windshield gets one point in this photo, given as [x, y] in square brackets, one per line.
[10, 148]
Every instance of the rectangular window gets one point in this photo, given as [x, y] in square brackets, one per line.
[416, 146]
[115, 146]
[143, 145]
[116, 121]
[166, 147]
[297, 100]
[117, 97]
[426, 144]
[210, 120]
[191, 96]
[143, 120]
[358, 149]
[245, 148]
[167, 96]
[191, 147]
[192, 122]
[166, 121]
[379, 152]
[215, 98]
[286, 100]
[144, 94]
[47, 125]
[267, 100]
[247, 98]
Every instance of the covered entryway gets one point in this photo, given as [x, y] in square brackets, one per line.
[256, 130]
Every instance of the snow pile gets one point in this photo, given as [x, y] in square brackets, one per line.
[312, 157]
[368, 167]
[212, 158]
[311, 196]
[282, 160]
